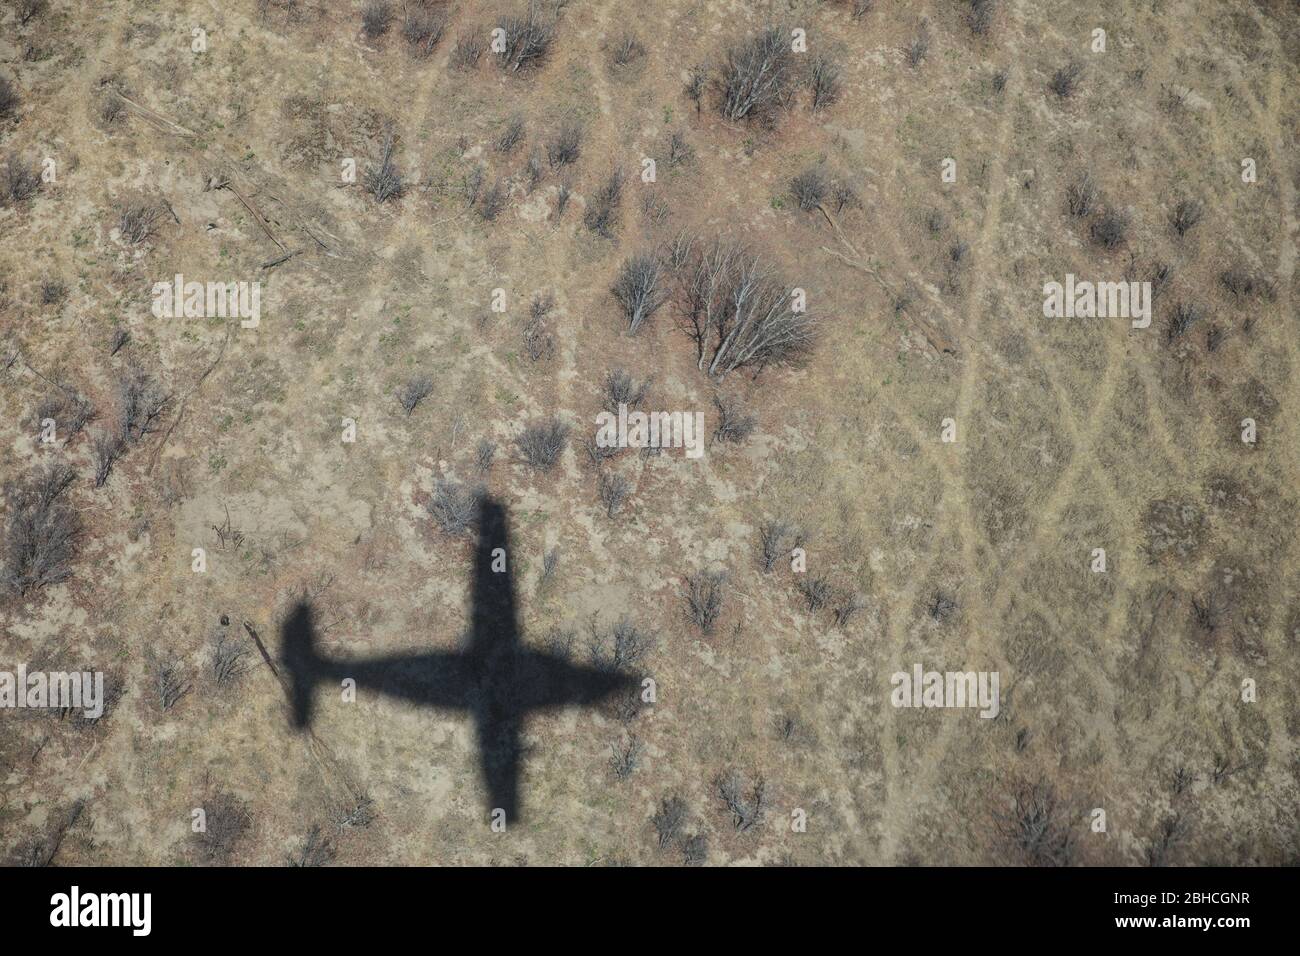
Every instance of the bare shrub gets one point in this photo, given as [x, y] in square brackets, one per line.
[550, 562]
[140, 404]
[169, 683]
[847, 607]
[384, 181]
[118, 341]
[602, 216]
[941, 606]
[511, 136]
[756, 75]
[733, 424]
[416, 390]
[564, 148]
[19, 180]
[454, 506]
[746, 805]
[621, 648]
[626, 50]
[226, 821]
[679, 150]
[527, 40]
[625, 756]
[41, 530]
[1110, 229]
[539, 343]
[613, 490]
[136, 220]
[776, 539]
[704, 594]
[492, 202]
[639, 289]
[1033, 828]
[737, 311]
[1065, 81]
[53, 291]
[376, 16]
[844, 197]
[423, 28]
[916, 51]
[823, 81]
[542, 443]
[668, 821]
[622, 389]
[9, 99]
[697, 81]
[1080, 196]
[1186, 315]
[695, 849]
[1000, 80]
[106, 448]
[816, 591]
[809, 188]
[484, 455]
[469, 48]
[1187, 213]
[315, 850]
[70, 410]
[980, 17]
[562, 194]
[228, 657]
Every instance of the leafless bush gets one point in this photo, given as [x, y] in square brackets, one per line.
[597, 453]
[469, 48]
[816, 591]
[1033, 829]
[621, 648]
[454, 506]
[358, 813]
[384, 181]
[737, 311]
[733, 424]
[1000, 80]
[1242, 284]
[136, 220]
[70, 410]
[756, 75]
[19, 180]
[376, 16]
[844, 197]
[639, 289]
[625, 756]
[140, 403]
[550, 562]
[847, 607]
[527, 40]
[1110, 229]
[776, 539]
[704, 595]
[695, 849]
[169, 683]
[423, 29]
[626, 50]
[106, 448]
[9, 99]
[564, 148]
[679, 150]
[41, 531]
[542, 443]
[1186, 314]
[562, 194]
[315, 850]
[484, 455]
[916, 51]
[539, 343]
[746, 807]
[823, 81]
[622, 389]
[1187, 213]
[602, 214]
[809, 188]
[941, 606]
[1080, 196]
[225, 820]
[53, 291]
[668, 821]
[228, 654]
[980, 17]
[860, 8]
[697, 82]
[1066, 80]
[511, 136]
[416, 390]
[613, 490]
[30, 9]
[492, 202]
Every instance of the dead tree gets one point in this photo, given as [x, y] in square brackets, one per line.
[41, 531]
[704, 593]
[755, 75]
[639, 289]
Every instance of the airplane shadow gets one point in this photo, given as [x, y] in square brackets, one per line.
[496, 680]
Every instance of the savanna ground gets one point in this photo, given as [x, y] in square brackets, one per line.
[1122, 690]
